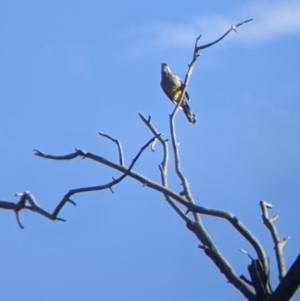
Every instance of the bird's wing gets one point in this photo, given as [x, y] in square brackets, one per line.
[181, 82]
[186, 92]
[167, 92]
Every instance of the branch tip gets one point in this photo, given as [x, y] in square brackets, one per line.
[72, 202]
[266, 204]
[232, 28]
[246, 253]
[284, 241]
[18, 220]
[153, 144]
[274, 218]
[38, 153]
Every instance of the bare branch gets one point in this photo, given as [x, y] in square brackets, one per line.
[279, 244]
[232, 28]
[142, 179]
[64, 157]
[239, 226]
[215, 254]
[209, 246]
[211, 250]
[27, 200]
[116, 141]
[173, 115]
[109, 185]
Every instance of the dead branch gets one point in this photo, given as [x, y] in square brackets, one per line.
[239, 226]
[211, 250]
[27, 200]
[197, 228]
[279, 244]
[195, 57]
[232, 28]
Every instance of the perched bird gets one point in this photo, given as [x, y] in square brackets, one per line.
[172, 85]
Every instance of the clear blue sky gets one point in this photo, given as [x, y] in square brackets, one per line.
[72, 68]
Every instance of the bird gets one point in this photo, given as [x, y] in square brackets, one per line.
[172, 86]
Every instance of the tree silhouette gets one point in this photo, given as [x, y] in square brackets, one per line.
[254, 287]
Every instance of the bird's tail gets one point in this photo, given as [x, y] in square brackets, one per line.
[189, 113]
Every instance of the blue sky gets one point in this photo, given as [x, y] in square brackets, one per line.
[72, 68]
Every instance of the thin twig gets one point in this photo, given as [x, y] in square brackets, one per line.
[116, 141]
[232, 28]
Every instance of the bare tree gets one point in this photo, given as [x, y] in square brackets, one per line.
[257, 285]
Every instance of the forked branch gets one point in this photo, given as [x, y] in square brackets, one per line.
[27, 200]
